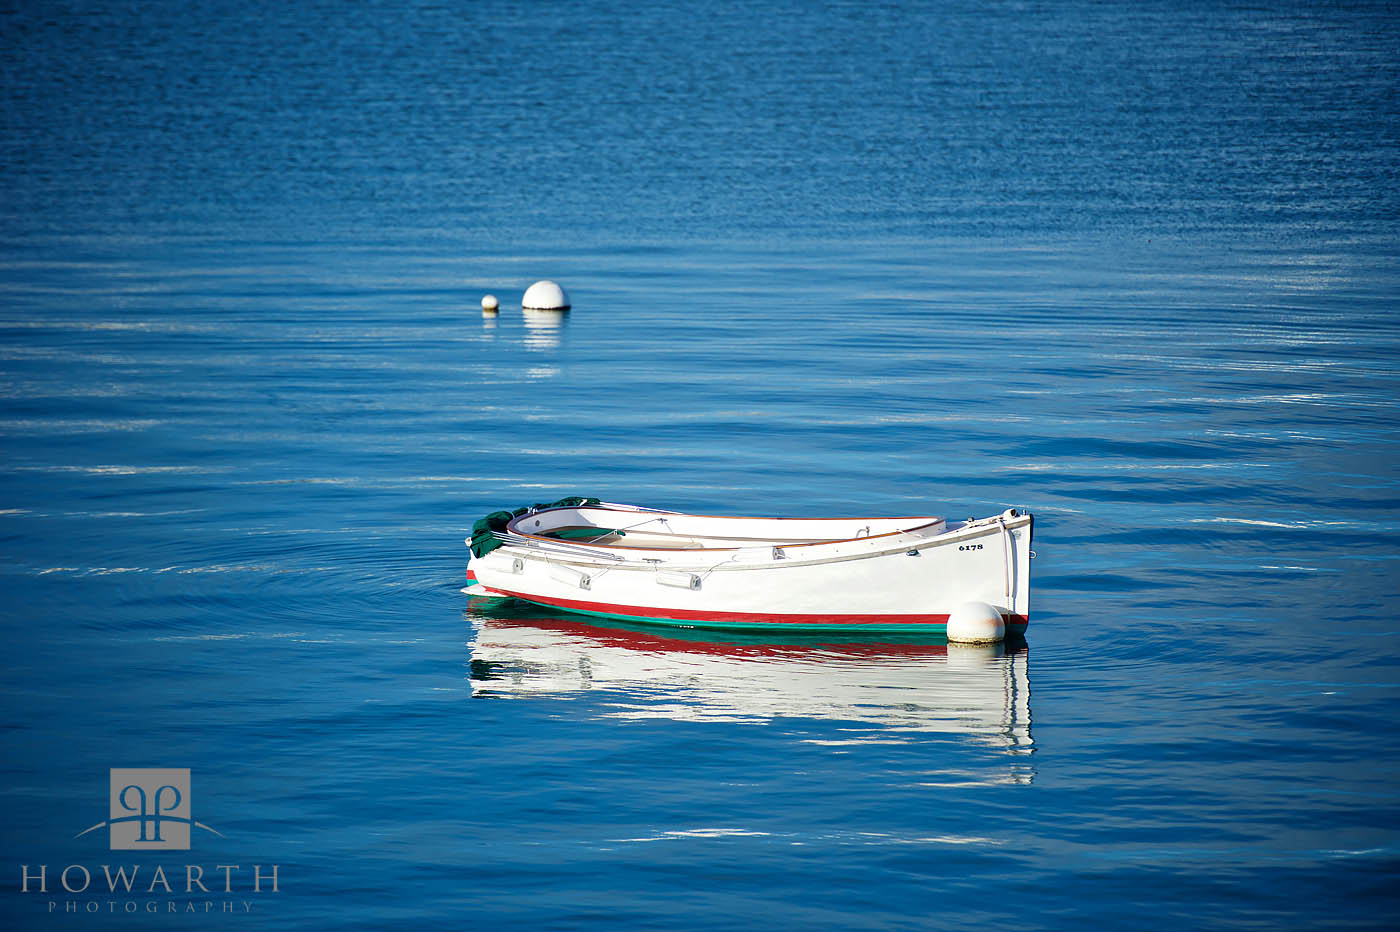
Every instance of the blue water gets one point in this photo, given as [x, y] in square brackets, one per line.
[1134, 267]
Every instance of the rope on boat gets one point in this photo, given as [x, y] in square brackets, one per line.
[561, 549]
[629, 527]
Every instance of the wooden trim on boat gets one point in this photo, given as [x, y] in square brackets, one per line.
[758, 541]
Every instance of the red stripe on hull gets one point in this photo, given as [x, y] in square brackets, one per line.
[1014, 622]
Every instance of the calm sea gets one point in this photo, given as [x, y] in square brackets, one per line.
[1134, 267]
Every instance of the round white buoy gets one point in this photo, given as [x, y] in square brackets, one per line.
[489, 304]
[975, 623]
[545, 296]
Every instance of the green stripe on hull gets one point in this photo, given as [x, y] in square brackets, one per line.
[750, 625]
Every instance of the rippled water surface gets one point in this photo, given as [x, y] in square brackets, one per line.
[1132, 267]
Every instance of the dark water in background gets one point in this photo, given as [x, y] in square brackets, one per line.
[1133, 267]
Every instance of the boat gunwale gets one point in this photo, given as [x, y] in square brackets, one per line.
[948, 538]
[759, 542]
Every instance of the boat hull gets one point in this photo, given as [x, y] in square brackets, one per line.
[750, 621]
[910, 582]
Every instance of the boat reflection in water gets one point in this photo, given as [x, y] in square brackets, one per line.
[894, 689]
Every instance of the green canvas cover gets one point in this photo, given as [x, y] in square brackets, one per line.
[584, 533]
[484, 539]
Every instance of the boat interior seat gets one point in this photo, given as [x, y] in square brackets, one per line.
[654, 540]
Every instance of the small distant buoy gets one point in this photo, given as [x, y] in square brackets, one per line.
[975, 623]
[489, 304]
[545, 296]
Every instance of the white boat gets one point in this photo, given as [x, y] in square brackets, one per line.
[665, 567]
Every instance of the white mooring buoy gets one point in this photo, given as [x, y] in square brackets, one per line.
[545, 296]
[489, 304]
[975, 623]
